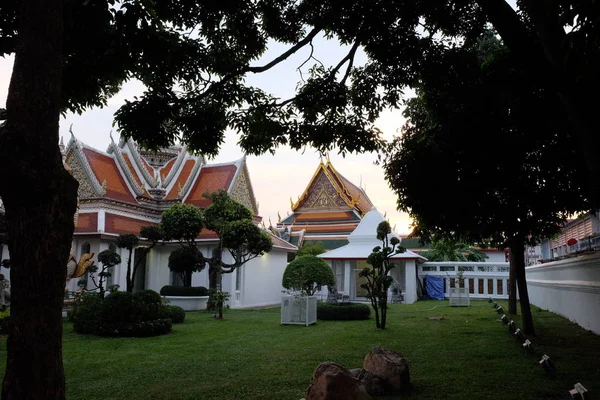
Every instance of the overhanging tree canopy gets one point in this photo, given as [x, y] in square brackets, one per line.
[454, 181]
[76, 57]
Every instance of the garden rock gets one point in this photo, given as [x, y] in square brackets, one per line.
[391, 366]
[331, 381]
[374, 384]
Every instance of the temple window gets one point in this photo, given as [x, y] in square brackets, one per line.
[339, 271]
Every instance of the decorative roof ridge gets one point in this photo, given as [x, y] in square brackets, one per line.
[305, 193]
[138, 190]
[150, 180]
[176, 165]
[77, 147]
[343, 181]
[338, 185]
[194, 174]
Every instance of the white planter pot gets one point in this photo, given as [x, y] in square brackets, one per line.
[298, 310]
[188, 303]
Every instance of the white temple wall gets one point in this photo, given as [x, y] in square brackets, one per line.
[260, 281]
[410, 294]
[569, 287]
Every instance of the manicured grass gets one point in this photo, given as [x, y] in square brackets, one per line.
[468, 354]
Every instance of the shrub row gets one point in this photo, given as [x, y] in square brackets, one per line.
[183, 291]
[343, 311]
[124, 314]
[136, 329]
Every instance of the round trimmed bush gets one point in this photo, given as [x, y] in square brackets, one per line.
[183, 291]
[343, 311]
[307, 273]
[86, 313]
[176, 313]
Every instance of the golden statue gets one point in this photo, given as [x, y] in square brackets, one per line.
[77, 269]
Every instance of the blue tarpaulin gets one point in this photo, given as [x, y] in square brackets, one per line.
[434, 286]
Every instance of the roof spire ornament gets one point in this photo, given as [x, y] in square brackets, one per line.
[110, 135]
[278, 216]
[71, 132]
[328, 160]
[270, 223]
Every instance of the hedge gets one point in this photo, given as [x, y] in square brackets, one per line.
[176, 313]
[183, 291]
[136, 329]
[343, 311]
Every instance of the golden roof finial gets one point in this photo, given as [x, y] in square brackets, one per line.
[270, 223]
[278, 216]
[291, 202]
[328, 160]
[385, 214]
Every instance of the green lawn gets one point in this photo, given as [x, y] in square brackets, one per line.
[469, 354]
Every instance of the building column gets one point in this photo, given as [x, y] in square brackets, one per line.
[347, 272]
[410, 294]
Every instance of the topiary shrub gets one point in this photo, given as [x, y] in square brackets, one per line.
[183, 291]
[121, 314]
[176, 314]
[306, 274]
[343, 311]
[120, 307]
[150, 305]
[136, 329]
[86, 313]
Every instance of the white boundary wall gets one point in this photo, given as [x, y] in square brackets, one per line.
[569, 287]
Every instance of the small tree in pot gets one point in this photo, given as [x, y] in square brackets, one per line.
[307, 274]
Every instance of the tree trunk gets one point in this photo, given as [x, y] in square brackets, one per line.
[518, 248]
[39, 211]
[383, 307]
[512, 281]
[130, 275]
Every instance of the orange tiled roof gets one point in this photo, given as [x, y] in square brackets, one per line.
[181, 179]
[210, 180]
[106, 169]
[119, 224]
[147, 166]
[278, 242]
[207, 234]
[342, 215]
[325, 228]
[135, 175]
[164, 171]
[87, 222]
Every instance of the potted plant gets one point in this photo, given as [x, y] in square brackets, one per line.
[190, 298]
[303, 277]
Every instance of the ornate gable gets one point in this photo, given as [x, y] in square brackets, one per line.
[321, 195]
[89, 186]
[242, 190]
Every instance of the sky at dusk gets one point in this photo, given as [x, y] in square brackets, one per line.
[275, 178]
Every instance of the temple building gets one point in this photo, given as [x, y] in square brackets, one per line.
[329, 210]
[126, 188]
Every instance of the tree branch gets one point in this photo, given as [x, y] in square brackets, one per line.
[350, 58]
[308, 39]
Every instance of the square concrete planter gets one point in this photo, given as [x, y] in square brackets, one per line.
[188, 303]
